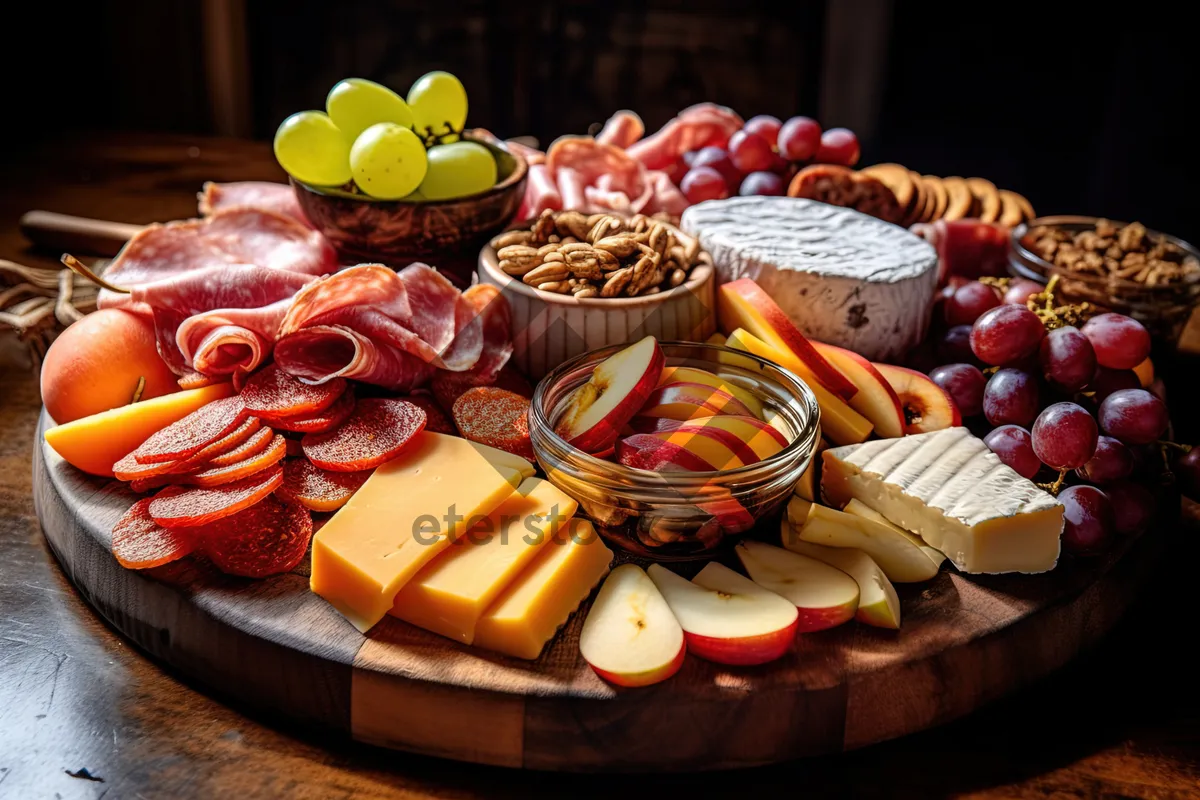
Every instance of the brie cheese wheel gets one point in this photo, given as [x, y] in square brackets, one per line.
[843, 277]
[956, 494]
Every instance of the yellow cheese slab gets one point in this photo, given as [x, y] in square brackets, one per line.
[535, 605]
[407, 512]
[95, 443]
[451, 593]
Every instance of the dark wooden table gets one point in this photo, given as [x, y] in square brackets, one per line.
[78, 701]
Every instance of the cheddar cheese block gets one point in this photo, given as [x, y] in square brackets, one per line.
[956, 494]
[407, 512]
[535, 605]
[450, 594]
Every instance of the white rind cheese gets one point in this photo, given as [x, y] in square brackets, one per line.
[843, 277]
[956, 494]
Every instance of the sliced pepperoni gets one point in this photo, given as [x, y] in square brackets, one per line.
[374, 433]
[188, 436]
[251, 465]
[320, 421]
[261, 439]
[273, 394]
[138, 542]
[495, 417]
[449, 386]
[128, 468]
[269, 538]
[435, 419]
[189, 506]
[318, 489]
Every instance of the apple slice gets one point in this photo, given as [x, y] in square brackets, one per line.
[927, 407]
[730, 514]
[876, 399]
[744, 304]
[860, 509]
[897, 552]
[598, 410]
[694, 375]
[841, 423]
[630, 636]
[825, 596]
[878, 603]
[797, 510]
[750, 439]
[719, 448]
[654, 453]
[684, 401]
[806, 487]
[728, 618]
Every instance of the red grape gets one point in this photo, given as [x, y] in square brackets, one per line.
[968, 302]
[838, 146]
[1006, 334]
[761, 183]
[799, 138]
[1011, 398]
[1064, 436]
[1187, 473]
[1111, 462]
[1108, 381]
[719, 160]
[703, 183]
[765, 126]
[1067, 359]
[1020, 290]
[955, 346]
[1134, 416]
[689, 157]
[750, 152]
[964, 383]
[1088, 515]
[1120, 341]
[1132, 505]
[1013, 445]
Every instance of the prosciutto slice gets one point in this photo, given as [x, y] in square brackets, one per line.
[622, 129]
[697, 126]
[494, 316]
[277, 198]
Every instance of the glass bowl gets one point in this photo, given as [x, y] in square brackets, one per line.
[669, 515]
[1163, 309]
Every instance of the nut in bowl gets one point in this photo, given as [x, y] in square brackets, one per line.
[673, 449]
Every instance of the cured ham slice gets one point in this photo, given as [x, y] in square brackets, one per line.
[592, 159]
[695, 127]
[230, 340]
[622, 129]
[532, 155]
[277, 198]
[571, 184]
[494, 316]
[324, 352]
[541, 193]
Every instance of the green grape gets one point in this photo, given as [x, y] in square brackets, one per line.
[388, 161]
[439, 104]
[414, 197]
[312, 149]
[356, 104]
[457, 170]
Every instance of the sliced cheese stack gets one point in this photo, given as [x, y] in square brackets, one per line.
[954, 492]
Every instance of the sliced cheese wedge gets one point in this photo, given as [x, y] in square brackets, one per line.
[956, 494]
[858, 509]
[897, 552]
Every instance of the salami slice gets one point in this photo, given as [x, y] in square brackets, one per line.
[320, 421]
[269, 538]
[448, 386]
[253, 464]
[278, 198]
[189, 506]
[138, 542]
[186, 437]
[435, 419]
[274, 394]
[129, 469]
[318, 489]
[374, 433]
[495, 417]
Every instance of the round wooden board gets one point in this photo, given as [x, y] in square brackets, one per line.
[273, 645]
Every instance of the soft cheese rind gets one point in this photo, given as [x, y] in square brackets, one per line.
[949, 488]
[843, 277]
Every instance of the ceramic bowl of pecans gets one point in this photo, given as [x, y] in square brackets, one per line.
[1117, 266]
[577, 282]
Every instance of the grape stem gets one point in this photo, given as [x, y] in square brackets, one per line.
[1056, 486]
[78, 267]
[1183, 448]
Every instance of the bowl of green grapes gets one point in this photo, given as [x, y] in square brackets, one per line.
[400, 179]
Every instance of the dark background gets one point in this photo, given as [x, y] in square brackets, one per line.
[1090, 112]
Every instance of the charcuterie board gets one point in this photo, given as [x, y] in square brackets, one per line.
[277, 648]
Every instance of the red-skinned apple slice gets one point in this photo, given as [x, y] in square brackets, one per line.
[598, 410]
[825, 596]
[694, 375]
[927, 407]
[684, 401]
[726, 617]
[647, 451]
[630, 636]
[876, 399]
[716, 446]
[744, 304]
[731, 515]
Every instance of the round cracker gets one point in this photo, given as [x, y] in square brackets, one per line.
[896, 178]
[987, 198]
[917, 212]
[1023, 204]
[937, 207]
[959, 198]
[1010, 213]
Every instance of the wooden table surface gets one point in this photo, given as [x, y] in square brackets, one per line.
[78, 701]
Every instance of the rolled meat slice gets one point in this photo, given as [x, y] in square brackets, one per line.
[230, 340]
[541, 193]
[325, 352]
[622, 129]
[695, 127]
[277, 198]
[571, 184]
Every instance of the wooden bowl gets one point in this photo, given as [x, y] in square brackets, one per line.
[396, 233]
[549, 328]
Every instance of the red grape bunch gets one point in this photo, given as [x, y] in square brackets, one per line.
[761, 158]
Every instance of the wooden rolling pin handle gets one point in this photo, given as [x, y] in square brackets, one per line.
[77, 235]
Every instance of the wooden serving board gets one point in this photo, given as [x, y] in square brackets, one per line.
[272, 645]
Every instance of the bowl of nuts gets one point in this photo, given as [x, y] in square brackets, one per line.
[577, 282]
[1115, 266]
